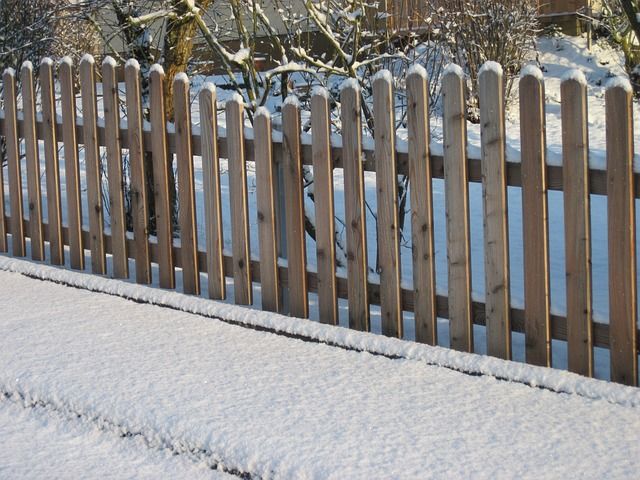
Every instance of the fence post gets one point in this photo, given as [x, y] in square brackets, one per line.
[622, 233]
[212, 195]
[243, 292]
[265, 183]
[33, 162]
[92, 164]
[324, 207]
[387, 204]
[52, 165]
[111, 99]
[138, 191]
[186, 193]
[535, 227]
[355, 219]
[13, 162]
[71, 164]
[494, 195]
[575, 153]
[161, 163]
[294, 215]
[457, 209]
[424, 273]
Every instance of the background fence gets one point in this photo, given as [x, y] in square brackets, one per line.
[386, 157]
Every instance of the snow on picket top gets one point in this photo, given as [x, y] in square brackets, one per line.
[210, 87]
[319, 91]
[156, 68]
[490, 66]
[262, 112]
[384, 75]
[181, 78]
[292, 100]
[453, 69]
[619, 82]
[110, 61]
[27, 65]
[532, 70]
[88, 58]
[417, 69]
[576, 75]
[350, 83]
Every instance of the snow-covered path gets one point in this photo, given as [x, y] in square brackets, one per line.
[270, 406]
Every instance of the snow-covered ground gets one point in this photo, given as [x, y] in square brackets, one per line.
[79, 367]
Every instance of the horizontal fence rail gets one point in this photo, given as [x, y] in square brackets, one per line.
[285, 154]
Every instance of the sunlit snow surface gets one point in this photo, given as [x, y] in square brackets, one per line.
[273, 406]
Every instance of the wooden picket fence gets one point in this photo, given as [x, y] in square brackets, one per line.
[535, 178]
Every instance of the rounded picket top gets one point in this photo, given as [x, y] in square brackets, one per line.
[109, 62]
[46, 62]
[619, 82]
[575, 76]
[453, 69]
[262, 113]
[490, 68]
[417, 70]
[87, 58]
[26, 68]
[531, 70]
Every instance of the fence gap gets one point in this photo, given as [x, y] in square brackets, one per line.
[243, 291]
[355, 215]
[324, 208]
[52, 164]
[622, 234]
[457, 210]
[387, 202]
[111, 99]
[535, 236]
[265, 183]
[212, 195]
[575, 154]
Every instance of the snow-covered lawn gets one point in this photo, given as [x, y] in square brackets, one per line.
[81, 366]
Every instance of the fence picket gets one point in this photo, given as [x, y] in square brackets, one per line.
[161, 165]
[32, 156]
[294, 214]
[243, 292]
[111, 99]
[186, 193]
[212, 195]
[355, 215]
[575, 152]
[265, 179]
[92, 164]
[494, 195]
[324, 208]
[457, 210]
[424, 272]
[13, 162]
[387, 205]
[535, 226]
[52, 165]
[622, 234]
[71, 164]
[137, 189]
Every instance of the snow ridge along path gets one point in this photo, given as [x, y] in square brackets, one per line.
[550, 379]
[275, 407]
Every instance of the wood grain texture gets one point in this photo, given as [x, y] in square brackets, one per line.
[32, 157]
[387, 207]
[355, 215]
[420, 180]
[496, 231]
[52, 164]
[575, 149]
[71, 164]
[324, 210]
[621, 215]
[294, 214]
[137, 189]
[13, 163]
[457, 212]
[186, 189]
[111, 100]
[92, 165]
[212, 193]
[265, 182]
[161, 160]
[242, 288]
[535, 225]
